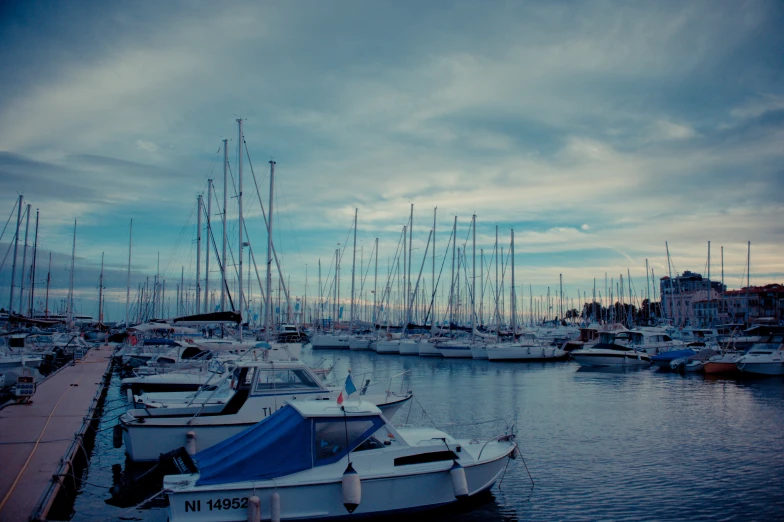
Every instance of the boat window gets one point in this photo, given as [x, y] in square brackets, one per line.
[166, 360]
[668, 338]
[284, 380]
[332, 435]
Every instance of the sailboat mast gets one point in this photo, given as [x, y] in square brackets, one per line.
[268, 311]
[375, 287]
[452, 288]
[512, 293]
[16, 247]
[353, 264]
[433, 276]
[404, 296]
[24, 260]
[198, 253]
[410, 248]
[100, 293]
[225, 210]
[33, 269]
[69, 314]
[48, 280]
[239, 220]
[497, 315]
[207, 249]
[473, 275]
[128, 286]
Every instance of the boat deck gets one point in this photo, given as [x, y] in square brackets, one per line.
[35, 436]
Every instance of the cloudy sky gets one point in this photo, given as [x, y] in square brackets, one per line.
[596, 130]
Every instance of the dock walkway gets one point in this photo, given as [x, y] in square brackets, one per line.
[35, 437]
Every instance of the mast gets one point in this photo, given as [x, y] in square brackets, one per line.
[48, 280]
[239, 220]
[128, 286]
[16, 247]
[353, 263]
[100, 294]
[375, 287]
[647, 288]
[404, 299]
[497, 316]
[225, 210]
[335, 306]
[207, 249]
[433, 277]
[33, 270]
[321, 297]
[410, 245]
[452, 289]
[24, 260]
[560, 297]
[722, 268]
[512, 293]
[481, 285]
[669, 270]
[268, 311]
[473, 276]
[198, 254]
[69, 313]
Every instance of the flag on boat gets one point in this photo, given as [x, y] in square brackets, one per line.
[347, 390]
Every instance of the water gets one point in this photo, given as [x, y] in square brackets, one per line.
[609, 445]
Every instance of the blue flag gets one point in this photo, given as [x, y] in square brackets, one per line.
[350, 388]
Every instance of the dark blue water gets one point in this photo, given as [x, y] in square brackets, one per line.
[600, 445]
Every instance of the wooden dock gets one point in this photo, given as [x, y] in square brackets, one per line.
[39, 441]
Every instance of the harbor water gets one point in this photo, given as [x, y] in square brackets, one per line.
[599, 444]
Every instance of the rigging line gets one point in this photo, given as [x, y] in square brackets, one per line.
[438, 280]
[16, 202]
[180, 239]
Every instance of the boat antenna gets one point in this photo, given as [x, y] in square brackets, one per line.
[345, 425]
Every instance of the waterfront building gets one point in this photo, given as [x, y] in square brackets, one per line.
[680, 293]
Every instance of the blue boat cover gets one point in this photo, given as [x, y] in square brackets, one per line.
[672, 355]
[278, 445]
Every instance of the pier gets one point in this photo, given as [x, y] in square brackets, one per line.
[42, 442]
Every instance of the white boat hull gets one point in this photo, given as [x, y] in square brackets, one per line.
[382, 494]
[388, 347]
[326, 341]
[625, 360]
[428, 349]
[760, 368]
[144, 442]
[455, 351]
[525, 353]
[408, 348]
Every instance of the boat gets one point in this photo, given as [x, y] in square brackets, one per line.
[693, 363]
[428, 348]
[318, 460]
[330, 341]
[455, 348]
[664, 359]
[724, 363]
[526, 351]
[765, 358]
[260, 388]
[607, 352]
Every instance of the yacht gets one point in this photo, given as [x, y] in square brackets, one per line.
[526, 351]
[608, 352]
[260, 388]
[764, 358]
[317, 460]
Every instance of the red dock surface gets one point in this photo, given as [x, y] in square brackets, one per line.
[35, 437]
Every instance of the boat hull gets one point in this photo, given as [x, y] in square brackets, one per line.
[526, 354]
[428, 349]
[144, 442]
[381, 495]
[621, 360]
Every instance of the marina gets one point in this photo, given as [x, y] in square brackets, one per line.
[451, 261]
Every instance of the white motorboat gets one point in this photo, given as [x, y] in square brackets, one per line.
[608, 353]
[649, 340]
[317, 460]
[525, 351]
[260, 388]
[765, 358]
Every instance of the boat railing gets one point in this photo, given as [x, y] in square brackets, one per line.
[365, 380]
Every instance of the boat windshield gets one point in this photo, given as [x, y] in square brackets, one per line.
[334, 437]
[288, 379]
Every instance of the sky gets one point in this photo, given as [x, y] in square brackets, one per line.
[597, 131]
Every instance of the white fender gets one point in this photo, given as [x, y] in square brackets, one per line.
[254, 509]
[129, 394]
[459, 482]
[352, 489]
[275, 507]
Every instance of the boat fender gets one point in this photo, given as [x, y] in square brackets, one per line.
[254, 509]
[129, 394]
[459, 483]
[190, 443]
[352, 489]
[275, 507]
[117, 436]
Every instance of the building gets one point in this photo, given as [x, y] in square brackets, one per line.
[756, 304]
[679, 295]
